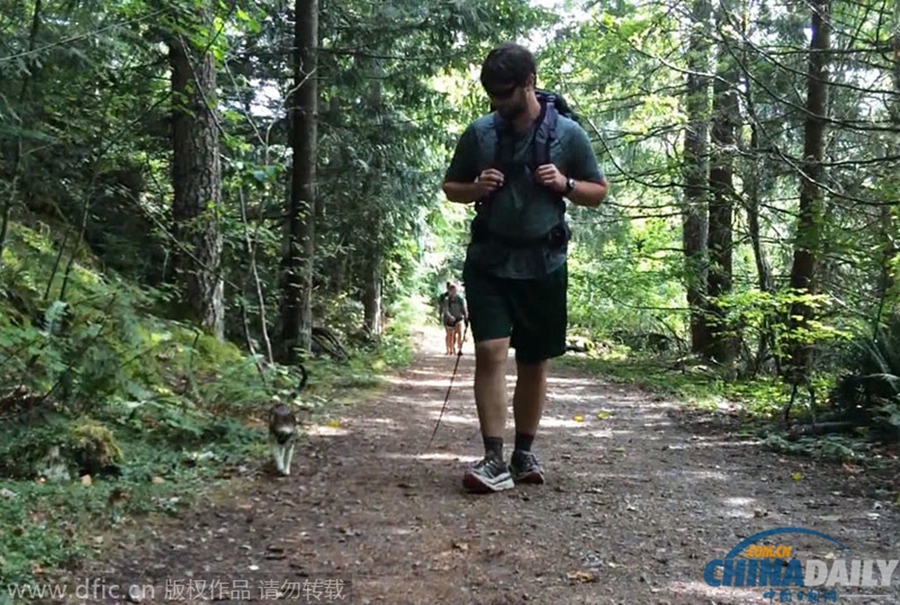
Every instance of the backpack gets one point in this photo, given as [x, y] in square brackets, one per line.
[552, 106]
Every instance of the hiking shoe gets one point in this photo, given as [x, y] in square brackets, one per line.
[488, 475]
[526, 468]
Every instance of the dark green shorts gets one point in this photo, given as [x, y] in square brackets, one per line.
[532, 313]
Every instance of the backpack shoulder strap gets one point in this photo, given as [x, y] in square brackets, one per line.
[546, 133]
[499, 139]
[543, 139]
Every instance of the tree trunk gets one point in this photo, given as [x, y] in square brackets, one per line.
[694, 218]
[726, 117]
[196, 182]
[372, 296]
[16, 151]
[809, 226]
[753, 202]
[299, 259]
[888, 279]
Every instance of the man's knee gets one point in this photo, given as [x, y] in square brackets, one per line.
[531, 369]
[491, 353]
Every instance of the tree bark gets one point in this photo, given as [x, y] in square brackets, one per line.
[888, 278]
[372, 296]
[726, 117]
[16, 147]
[196, 182]
[299, 259]
[694, 216]
[803, 270]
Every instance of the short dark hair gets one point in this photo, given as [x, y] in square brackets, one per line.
[507, 64]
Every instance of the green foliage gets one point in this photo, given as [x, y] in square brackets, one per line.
[868, 395]
[97, 385]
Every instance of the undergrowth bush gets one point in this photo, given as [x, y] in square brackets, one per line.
[109, 409]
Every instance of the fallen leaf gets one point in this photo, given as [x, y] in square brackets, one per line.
[334, 423]
[157, 480]
[583, 576]
[86, 480]
[579, 419]
[796, 476]
[603, 415]
[460, 545]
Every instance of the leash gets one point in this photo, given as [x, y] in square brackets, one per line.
[449, 388]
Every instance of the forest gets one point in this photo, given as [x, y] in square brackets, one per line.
[196, 197]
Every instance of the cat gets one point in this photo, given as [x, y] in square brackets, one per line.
[283, 428]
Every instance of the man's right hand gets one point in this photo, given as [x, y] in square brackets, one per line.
[489, 181]
[465, 193]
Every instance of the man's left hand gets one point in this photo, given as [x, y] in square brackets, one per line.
[549, 175]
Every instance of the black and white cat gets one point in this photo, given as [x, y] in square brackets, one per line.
[283, 427]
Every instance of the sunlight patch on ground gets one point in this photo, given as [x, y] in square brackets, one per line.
[739, 508]
[710, 444]
[571, 382]
[697, 475]
[327, 431]
[575, 397]
[556, 422]
[659, 427]
[605, 434]
[384, 421]
[738, 501]
[642, 478]
[717, 595]
[446, 457]
[442, 382]
[455, 419]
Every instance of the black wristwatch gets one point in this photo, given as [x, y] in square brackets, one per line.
[570, 186]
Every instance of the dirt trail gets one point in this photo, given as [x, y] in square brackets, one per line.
[635, 505]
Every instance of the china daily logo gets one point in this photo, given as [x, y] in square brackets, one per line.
[751, 564]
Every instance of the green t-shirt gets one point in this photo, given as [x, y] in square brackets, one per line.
[522, 208]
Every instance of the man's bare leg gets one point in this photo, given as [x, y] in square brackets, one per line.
[458, 337]
[490, 385]
[528, 407]
[529, 396]
[448, 341]
[491, 474]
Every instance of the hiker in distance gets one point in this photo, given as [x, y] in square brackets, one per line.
[453, 314]
[518, 164]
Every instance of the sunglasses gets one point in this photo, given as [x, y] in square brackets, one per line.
[502, 94]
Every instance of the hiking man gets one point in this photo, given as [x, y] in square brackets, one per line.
[518, 163]
[453, 314]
